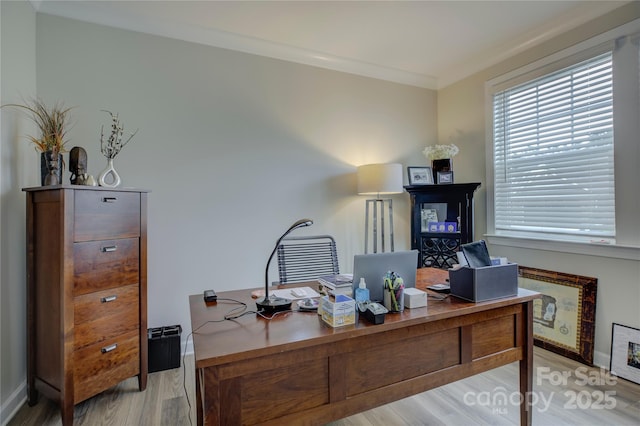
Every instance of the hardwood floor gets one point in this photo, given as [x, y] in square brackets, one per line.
[583, 397]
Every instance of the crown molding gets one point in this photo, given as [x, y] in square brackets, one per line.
[87, 12]
[94, 12]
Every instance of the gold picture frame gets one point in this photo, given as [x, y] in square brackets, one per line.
[564, 318]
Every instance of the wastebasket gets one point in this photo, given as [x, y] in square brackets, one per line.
[164, 347]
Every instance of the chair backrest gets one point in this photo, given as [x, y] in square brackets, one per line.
[306, 258]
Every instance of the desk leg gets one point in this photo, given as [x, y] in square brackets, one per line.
[526, 366]
[199, 397]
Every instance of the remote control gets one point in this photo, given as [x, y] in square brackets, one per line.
[210, 296]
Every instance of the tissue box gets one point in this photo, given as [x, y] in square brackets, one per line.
[339, 311]
[485, 283]
[414, 298]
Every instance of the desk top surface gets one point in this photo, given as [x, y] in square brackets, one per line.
[218, 341]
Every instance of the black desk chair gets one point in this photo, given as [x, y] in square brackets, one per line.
[306, 258]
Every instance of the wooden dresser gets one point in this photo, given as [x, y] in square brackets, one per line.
[86, 292]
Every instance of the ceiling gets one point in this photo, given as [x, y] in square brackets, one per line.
[422, 43]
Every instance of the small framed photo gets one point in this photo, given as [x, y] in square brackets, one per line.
[445, 177]
[625, 352]
[420, 175]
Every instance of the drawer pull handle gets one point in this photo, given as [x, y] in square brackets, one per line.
[108, 299]
[109, 249]
[109, 199]
[108, 348]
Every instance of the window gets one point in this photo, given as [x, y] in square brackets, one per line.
[553, 154]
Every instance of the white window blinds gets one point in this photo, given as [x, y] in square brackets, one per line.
[553, 154]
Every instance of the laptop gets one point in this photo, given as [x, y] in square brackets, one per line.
[373, 267]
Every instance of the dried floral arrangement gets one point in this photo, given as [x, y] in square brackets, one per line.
[112, 146]
[52, 123]
[440, 152]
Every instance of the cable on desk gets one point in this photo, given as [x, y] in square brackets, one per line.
[274, 314]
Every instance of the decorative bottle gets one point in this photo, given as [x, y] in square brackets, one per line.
[362, 292]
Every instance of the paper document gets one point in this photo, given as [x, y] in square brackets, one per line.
[296, 293]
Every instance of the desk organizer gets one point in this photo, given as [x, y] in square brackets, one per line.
[485, 283]
[338, 311]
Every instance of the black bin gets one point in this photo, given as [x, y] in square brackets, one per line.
[164, 347]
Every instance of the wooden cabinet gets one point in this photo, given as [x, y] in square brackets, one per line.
[451, 208]
[86, 292]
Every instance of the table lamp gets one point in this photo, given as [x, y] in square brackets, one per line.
[379, 179]
[270, 305]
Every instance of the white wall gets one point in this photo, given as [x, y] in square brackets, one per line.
[17, 165]
[234, 148]
[461, 119]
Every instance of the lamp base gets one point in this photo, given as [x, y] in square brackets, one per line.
[273, 304]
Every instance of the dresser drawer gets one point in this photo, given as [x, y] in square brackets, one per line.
[105, 214]
[100, 265]
[104, 315]
[101, 366]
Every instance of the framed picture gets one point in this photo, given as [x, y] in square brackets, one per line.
[625, 352]
[427, 217]
[564, 318]
[445, 177]
[420, 175]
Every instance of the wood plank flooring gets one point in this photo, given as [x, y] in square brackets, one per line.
[486, 399]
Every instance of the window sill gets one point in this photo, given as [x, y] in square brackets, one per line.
[589, 249]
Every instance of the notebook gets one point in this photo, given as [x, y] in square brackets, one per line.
[373, 267]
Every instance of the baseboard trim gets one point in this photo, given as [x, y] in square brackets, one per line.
[601, 359]
[15, 401]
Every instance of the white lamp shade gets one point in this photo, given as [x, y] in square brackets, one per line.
[380, 179]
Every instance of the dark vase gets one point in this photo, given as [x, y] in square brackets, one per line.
[443, 165]
[47, 165]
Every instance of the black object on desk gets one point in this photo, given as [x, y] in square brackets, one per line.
[477, 254]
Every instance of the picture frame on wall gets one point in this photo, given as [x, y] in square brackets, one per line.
[625, 352]
[445, 178]
[564, 317]
[420, 175]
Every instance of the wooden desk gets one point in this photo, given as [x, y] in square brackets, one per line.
[294, 369]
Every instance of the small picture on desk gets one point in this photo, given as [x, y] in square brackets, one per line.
[420, 175]
[445, 177]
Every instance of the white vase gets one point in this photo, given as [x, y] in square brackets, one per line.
[109, 177]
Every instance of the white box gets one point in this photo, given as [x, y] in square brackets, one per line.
[414, 298]
[339, 311]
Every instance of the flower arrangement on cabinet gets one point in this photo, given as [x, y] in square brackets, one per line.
[440, 152]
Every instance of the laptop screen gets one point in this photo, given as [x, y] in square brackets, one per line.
[373, 267]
